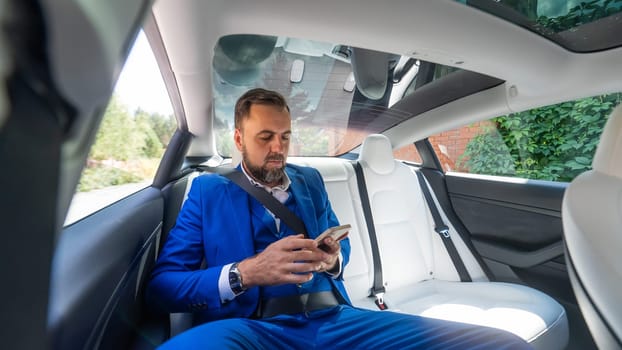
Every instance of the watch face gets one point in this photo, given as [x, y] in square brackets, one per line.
[235, 280]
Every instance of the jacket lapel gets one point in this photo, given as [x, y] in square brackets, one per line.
[304, 202]
[240, 220]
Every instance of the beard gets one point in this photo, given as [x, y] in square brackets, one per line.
[262, 173]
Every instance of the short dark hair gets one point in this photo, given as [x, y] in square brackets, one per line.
[257, 96]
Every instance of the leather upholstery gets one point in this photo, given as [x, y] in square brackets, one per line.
[418, 273]
[592, 218]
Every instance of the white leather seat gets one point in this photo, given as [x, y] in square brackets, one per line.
[342, 189]
[418, 273]
[592, 218]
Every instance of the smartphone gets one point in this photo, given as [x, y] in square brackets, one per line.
[336, 232]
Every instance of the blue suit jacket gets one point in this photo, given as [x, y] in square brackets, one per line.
[215, 224]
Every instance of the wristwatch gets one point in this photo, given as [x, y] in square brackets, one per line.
[235, 280]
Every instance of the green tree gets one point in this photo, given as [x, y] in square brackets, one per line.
[310, 140]
[116, 138]
[151, 146]
[487, 153]
[163, 126]
[126, 148]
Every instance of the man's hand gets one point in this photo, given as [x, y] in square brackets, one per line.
[292, 259]
[332, 248]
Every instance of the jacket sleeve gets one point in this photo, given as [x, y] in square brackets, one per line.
[178, 284]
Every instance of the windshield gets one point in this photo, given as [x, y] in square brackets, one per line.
[337, 94]
[330, 114]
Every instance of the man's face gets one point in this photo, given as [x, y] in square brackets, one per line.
[263, 141]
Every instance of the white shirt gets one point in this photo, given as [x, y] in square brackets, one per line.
[279, 192]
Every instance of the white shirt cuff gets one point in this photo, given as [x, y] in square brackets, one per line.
[338, 272]
[226, 294]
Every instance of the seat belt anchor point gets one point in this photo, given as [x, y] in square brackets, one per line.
[444, 231]
[380, 301]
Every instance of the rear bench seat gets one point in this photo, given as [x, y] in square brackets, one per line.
[418, 273]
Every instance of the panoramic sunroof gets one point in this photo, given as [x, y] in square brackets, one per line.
[577, 25]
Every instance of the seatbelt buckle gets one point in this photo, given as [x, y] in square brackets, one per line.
[380, 301]
[442, 230]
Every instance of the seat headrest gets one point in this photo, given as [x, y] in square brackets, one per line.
[377, 153]
[608, 157]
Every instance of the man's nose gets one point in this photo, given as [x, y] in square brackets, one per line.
[276, 146]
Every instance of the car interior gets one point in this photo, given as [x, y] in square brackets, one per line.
[591, 237]
[364, 79]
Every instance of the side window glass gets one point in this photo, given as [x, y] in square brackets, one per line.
[408, 153]
[554, 143]
[135, 130]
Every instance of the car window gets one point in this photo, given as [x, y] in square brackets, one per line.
[408, 153]
[332, 111]
[554, 143]
[578, 25]
[135, 130]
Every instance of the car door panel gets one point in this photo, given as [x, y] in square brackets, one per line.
[507, 224]
[99, 269]
[514, 227]
[514, 222]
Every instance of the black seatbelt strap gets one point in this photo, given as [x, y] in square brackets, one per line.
[277, 208]
[443, 231]
[378, 287]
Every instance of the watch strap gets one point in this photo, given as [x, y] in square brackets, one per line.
[235, 280]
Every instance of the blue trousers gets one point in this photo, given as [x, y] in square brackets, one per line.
[343, 327]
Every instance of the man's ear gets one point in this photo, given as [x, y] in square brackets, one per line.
[237, 138]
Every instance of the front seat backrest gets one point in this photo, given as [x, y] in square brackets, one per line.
[592, 218]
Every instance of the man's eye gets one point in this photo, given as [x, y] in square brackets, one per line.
[286, 137]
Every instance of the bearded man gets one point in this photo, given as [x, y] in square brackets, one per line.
[265, 286]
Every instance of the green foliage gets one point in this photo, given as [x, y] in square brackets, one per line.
[116, 138]
[123, 141]
[162, 126]
[103, 176]
[310, 141]
[151, 146]
[549, 143]
[486, 153]
[585, 12]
